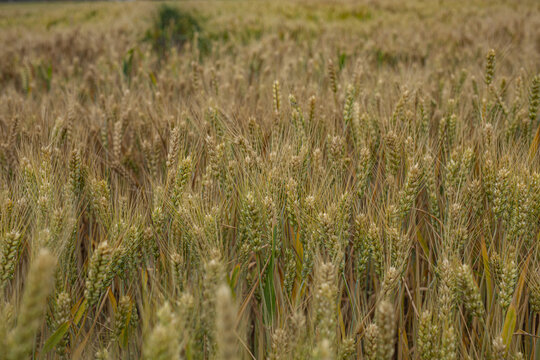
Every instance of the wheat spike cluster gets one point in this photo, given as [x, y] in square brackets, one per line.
[270, 180]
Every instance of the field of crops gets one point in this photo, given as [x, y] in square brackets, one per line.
[270, 180]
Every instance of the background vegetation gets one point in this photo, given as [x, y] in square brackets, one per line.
[285, 180]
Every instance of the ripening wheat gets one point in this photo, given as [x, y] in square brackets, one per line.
[270, 180]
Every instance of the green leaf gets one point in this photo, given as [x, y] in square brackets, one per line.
[268, 288]
[56, 337]
[233, 280]
[423, 243]
[124, 336]
[80, 312]
[487, 272]
[153, 78]
[342, 59]
[509, 325]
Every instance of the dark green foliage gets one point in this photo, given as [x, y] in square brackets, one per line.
[172, 27]
[127, 64]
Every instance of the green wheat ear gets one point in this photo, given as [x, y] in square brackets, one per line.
[98, 273]
[225, 325]
[39, 285]
[325, 305]
[102, 354]
[469, 291]
[163, 342]
[332, 76]
[427, 337]
[62, 314]
[499, 348]
[276, 93]
[534, 291]
[280, 345]
[490, 67]
[385, 319]
[370, 341]
[10, 255]
[534, 99]
[448, 347]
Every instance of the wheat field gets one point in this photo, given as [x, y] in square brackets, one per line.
[270, 180]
